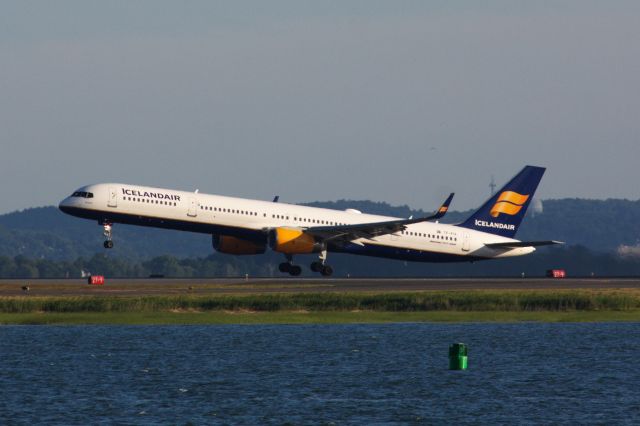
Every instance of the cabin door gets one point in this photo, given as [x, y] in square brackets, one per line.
[466, 244]
[193, 207]
[113, 197]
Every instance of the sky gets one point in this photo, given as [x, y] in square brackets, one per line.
[396, 101]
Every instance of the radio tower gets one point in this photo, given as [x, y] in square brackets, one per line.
[492, 185]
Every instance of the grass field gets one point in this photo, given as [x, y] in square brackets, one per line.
[304, 308]
[327, 317]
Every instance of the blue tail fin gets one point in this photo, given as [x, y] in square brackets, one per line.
[502, 213]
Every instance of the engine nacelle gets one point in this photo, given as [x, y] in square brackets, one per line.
[238, 246]
[293, 241]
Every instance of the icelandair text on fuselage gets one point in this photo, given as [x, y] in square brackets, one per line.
[486, 224]
[159, 195]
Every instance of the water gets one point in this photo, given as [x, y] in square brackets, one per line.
[319, 374]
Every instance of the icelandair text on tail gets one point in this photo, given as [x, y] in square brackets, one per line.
[486, 224]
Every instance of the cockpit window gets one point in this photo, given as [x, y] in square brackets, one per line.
[82, 194]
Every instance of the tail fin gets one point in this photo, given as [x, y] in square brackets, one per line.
[502, 213]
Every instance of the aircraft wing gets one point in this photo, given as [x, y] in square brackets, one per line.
[352, 232]
[516, 244]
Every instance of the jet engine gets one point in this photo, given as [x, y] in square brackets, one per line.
[293, 241]
[238, 246]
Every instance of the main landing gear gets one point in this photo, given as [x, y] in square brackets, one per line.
[288, 266]
[108, 243]
[325, 270]
[320, 265]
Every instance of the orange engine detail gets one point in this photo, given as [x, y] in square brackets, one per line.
[293, 241]
[234, 245]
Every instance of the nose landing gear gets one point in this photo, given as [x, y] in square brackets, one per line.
[108, 243]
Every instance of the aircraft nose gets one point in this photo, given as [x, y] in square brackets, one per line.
[65, 204]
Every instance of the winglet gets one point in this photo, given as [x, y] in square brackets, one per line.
[276, 198]
[444, 207]
[437, 215]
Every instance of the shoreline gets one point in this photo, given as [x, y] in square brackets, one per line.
[325, 317]
[454, 306]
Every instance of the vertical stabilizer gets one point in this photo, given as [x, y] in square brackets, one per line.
[503, 212]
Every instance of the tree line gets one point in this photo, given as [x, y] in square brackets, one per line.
[576, 260]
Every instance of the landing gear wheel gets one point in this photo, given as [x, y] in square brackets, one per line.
[316, 266]
[295, 270]
[284, 267]
[326, 271]
[108, 244]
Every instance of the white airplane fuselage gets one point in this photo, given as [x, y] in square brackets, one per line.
[251, 220]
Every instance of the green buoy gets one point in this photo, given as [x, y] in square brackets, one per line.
[458, 356]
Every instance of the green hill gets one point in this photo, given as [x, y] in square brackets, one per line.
[600, 225]
[46, 233]
[43, 242]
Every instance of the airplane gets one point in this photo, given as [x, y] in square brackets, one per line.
[241, 226]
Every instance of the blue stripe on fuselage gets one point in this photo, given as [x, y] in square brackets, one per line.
[398, 253]
[179, 225]
[257, 236]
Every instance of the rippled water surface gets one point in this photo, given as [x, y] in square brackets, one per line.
[301, 374]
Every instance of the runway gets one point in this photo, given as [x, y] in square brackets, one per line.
[206, 286]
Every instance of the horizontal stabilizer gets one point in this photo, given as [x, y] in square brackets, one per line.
[516, 244]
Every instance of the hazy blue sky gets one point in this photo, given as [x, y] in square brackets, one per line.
[398, 101]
